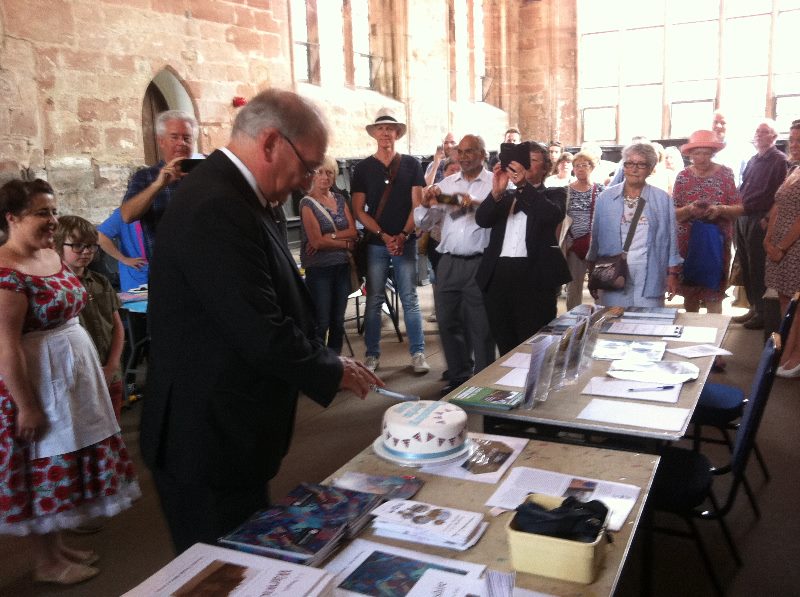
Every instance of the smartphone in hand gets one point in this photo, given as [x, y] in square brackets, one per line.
[189, 164]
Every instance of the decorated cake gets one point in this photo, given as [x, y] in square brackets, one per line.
[424, 430]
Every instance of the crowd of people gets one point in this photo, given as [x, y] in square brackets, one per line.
[503, 237]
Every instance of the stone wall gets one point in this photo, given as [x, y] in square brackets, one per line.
[73, 74]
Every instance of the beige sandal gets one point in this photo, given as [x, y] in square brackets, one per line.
[71, 574]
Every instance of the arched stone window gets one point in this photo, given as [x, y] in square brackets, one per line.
[165, 92]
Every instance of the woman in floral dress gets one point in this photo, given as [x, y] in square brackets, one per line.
[782, 245]
[705, 191]
[62, 459]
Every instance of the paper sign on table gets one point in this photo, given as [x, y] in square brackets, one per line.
[699, 350]
[521, 481]
[668, 418]
[694, 333]
[621, 388]
[519, 360]
[515, 378]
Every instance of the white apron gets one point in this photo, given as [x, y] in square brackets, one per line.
[67, 378]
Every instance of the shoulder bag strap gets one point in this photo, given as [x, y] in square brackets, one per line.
[322, 210]
[636, 215]
[394, 166]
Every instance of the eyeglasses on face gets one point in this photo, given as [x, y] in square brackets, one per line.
[310, 172]
[81, 247]
[635, 165]
[578, 165]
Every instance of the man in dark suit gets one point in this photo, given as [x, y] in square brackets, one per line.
[523, 268]
[232, 331]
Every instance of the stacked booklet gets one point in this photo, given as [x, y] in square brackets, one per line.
[425, 523]
[306, 525]
[488, 398]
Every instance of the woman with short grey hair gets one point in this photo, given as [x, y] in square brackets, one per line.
[652, 258]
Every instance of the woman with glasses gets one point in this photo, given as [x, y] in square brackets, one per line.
[705, 192]
[581, 198]
[62, 458]
[653, 260]
[328, 234]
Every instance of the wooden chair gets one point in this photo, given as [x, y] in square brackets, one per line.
[684, 481]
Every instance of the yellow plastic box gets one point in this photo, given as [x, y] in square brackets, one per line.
[554, 557]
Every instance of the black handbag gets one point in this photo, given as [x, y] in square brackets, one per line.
[611, 272]
[573, 519]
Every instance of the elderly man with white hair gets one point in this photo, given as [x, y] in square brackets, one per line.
[150, 190]
[764, 174]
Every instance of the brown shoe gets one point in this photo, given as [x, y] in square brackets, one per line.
[743, 318]
[71, 574]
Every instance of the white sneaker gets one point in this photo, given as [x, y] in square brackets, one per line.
[372, 363]
[431, 318]
[419, 363]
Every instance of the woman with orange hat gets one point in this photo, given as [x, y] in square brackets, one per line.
[705, 193]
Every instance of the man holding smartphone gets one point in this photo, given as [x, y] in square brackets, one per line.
[151, 189]
[463, 324]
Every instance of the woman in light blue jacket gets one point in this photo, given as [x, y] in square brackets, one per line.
[653, 259]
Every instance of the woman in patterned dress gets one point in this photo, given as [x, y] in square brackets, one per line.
[705, 191]
[783, 253]
[62, 459]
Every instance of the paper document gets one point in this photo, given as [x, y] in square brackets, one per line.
[364, 565]
[699, 350]
[693, 333]
[203, 569]
[514, 378]
[487, 462]
[426, 523]
[643, 329]
[668, 418]
[518, 359]
[612, 350]
[664, 372]
[621, 388]
[521, 481]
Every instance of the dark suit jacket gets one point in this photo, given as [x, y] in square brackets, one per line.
[545, 209]
[231, 337]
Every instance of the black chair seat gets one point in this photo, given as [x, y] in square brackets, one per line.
[683, 481]
[719, 405]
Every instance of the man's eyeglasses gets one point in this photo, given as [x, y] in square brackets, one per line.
[635, 165]
[310, 172]
[579, 165]
[81, 247]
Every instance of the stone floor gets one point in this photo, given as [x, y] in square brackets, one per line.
[135, 544]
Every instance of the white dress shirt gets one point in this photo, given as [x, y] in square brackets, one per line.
[516, 229]
[460, 234]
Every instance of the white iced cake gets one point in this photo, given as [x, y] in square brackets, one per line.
[424, 430]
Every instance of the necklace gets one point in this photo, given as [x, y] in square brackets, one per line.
[631, 202]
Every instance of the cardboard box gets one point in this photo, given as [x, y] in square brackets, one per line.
[554, 557]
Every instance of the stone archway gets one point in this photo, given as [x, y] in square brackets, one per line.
[164, 92]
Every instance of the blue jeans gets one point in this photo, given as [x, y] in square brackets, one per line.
[329, 287]
[405, 277]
